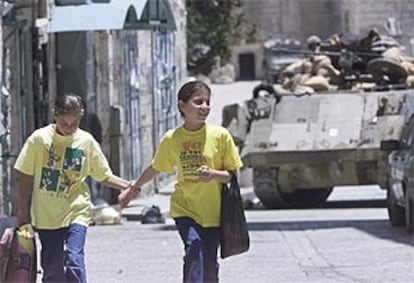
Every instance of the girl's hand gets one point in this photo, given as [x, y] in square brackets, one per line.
[127, 195]
[123, 198]
[205, 173]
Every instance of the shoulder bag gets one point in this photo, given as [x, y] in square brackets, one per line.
[234, 235]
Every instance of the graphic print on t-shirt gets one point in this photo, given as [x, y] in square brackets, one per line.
[65, 182]
[73, 159]
[61, 169]
[191, 158]
[49, 179]
[52, 158]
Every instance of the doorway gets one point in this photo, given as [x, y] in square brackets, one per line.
[247, 67]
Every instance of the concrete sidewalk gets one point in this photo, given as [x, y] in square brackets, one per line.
[133, 212]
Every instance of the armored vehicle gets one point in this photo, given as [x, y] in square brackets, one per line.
[301, 143]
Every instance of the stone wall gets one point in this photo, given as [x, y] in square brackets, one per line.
[302, 18]
[146, 90]
[375, 13]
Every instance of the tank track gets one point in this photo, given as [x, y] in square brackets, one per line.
[266, 188]
[270, 194]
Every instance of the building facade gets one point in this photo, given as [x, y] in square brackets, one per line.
[126, 58]
[299, 19]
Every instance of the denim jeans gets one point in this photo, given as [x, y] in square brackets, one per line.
[59, 265]
[201, 245]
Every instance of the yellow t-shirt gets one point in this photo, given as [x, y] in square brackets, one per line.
[60, 165]
[186, 150]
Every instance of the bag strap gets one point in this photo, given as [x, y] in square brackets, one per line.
[233, 175]
[234, 186]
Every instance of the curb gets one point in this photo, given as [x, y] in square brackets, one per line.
[133, 212]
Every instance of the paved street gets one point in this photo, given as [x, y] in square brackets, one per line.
[348, 241]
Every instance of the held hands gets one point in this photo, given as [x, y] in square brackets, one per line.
[127, 195]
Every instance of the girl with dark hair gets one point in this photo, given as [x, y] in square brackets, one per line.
[205, 156]
[53, 165]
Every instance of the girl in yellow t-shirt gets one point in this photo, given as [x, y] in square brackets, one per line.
[53, 165]
[205, 156]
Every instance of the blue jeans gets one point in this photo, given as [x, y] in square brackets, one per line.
[201, 245]
[58, 265]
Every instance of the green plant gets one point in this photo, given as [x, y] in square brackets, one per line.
[213, 27]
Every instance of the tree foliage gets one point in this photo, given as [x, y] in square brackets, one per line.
[213, 26]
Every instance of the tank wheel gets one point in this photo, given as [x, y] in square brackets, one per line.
[387, 68]
[409, 210]
[266, 188]
[396, 213]
[269, 193]
[269, 197]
